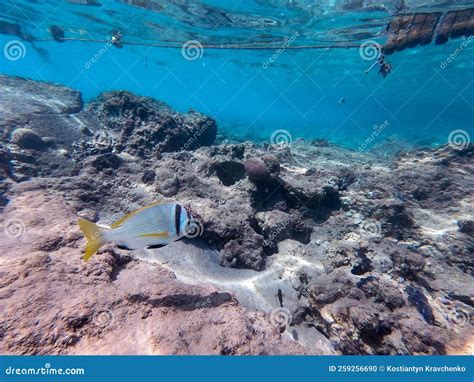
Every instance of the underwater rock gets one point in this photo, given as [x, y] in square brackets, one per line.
[408, 265]
[419, 300]
[36, 96]
[167, 183]
[316, 192]
[466, 226]
[144, 127]
[53, 107]
[229, 172]
[382, 291]
[105, 161]
[258, 172]
[373, 319]
[5, 163]
[276, 226]
[148, 176]
[27, 139]
[232, 254]
[331, 287]
[361, 265]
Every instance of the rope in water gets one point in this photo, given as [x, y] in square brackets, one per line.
[212, 46]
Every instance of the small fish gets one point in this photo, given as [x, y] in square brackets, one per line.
[57, 33]
[152, 226]
[280, 297]
[116, 39]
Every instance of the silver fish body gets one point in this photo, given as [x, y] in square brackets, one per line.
[155, 225]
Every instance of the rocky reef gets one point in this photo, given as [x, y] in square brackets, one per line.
[307, 248]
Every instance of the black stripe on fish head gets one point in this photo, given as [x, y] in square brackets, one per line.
[177, 218]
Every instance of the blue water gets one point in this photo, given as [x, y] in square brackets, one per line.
[420, 102]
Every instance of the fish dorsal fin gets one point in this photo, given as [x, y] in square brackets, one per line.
[119, 222]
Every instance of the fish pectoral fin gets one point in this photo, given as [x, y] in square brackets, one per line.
[119, 222]
[157, 234]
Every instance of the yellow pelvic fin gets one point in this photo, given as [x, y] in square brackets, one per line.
[93, 234]
[119, 222]
[158, 234]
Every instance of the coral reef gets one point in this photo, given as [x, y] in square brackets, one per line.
[304, 249]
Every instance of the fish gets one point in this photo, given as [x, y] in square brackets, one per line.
[280, 297]
[152, 226]
[57, 33]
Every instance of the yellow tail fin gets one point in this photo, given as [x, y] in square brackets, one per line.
[94, 236]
